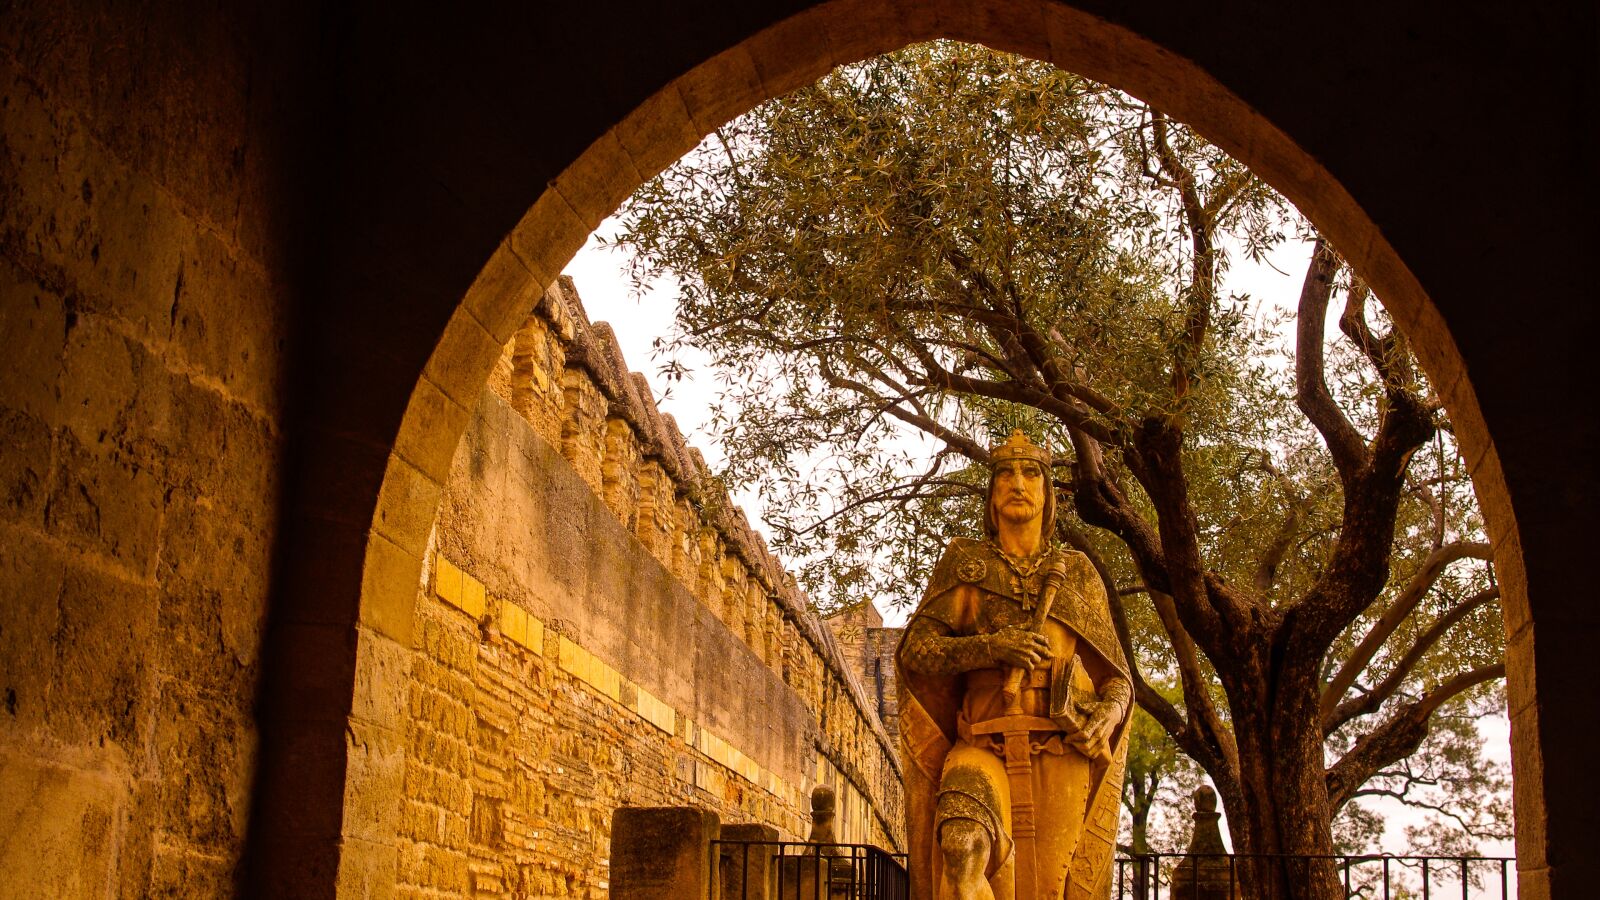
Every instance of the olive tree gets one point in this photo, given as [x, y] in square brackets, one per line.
[896, 265]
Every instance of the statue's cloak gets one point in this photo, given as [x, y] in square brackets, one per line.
[929, 705]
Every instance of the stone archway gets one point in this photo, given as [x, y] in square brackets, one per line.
[401, 483]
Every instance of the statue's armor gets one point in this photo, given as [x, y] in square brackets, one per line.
[977, 563]
[952, 701]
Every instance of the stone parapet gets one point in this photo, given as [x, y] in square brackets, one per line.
[600, 628]
[566, 376]
[662, 853]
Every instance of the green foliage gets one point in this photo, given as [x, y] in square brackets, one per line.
[1158, 789]
[894, 267]
[828, 239]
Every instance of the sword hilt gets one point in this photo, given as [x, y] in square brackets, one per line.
[1011, 691]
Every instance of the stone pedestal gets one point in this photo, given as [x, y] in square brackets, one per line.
[662, 853]
[824, 875]
[1205, 874]
[815, 878]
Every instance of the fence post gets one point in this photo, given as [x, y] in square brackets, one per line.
[662, 853]
[749, 866]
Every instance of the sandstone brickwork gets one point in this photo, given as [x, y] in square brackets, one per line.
[600, 628]
[142, 321]
[869, 650]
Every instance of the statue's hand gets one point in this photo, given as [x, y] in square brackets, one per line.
[1100, 722]
[1017, 646]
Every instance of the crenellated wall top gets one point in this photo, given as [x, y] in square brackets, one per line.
[591, 392]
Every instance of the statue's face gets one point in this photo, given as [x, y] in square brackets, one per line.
[1018, 492]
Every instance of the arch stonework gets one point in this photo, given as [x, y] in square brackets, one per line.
[800, 49]
[376, 197]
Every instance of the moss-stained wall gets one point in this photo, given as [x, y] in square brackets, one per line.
[598, 627]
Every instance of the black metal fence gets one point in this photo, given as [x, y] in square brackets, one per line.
[791, 870]
[1180, 876]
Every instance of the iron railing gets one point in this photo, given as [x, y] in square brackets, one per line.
[791, 870]
[1155, 876]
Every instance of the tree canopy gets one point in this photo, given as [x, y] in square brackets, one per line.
[895, 266]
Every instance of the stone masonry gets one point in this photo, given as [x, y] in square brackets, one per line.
[599, 628]
[142, 316]
[869, 648]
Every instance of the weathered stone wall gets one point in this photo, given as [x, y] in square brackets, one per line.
[869, 650]
[598, 628]
[142, 318]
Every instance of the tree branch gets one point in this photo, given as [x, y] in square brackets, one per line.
[1348, 448]
[1012, 325]
[1232, 185]
[1019, 340]
[917, 416]
[1197, 731]
[1416, 588]
[1398, 737]
[1266, 574]
[1201, 295]
[1371, 700]
[906, 490]
[1470, 826]
[1159, 707]
[1202, 712]
[1386, 354]
[938, 376]
[1217, 616]
[1099, 501]
[1373, 478]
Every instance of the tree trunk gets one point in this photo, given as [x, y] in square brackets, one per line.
[1280, 813]
[1141, 846]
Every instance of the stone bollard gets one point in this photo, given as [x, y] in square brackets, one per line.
[825, 874]
[662, 853]
[823, 801]
[1207, 874]
[746, 871]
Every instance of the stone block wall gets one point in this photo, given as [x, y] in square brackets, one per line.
[598, 627]
[143, 315]
[869, 650]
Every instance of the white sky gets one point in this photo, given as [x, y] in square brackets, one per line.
[602, 281]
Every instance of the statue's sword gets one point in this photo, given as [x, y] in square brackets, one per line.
[1016, 729]
[1053, 577]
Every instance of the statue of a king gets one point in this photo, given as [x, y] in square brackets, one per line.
[1014, 703]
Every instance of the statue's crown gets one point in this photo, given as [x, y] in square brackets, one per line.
[1019, 447]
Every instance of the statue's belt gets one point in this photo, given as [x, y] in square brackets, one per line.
[1048, 734]
[1045, 736]
[1006, 724]
[1039, 677]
